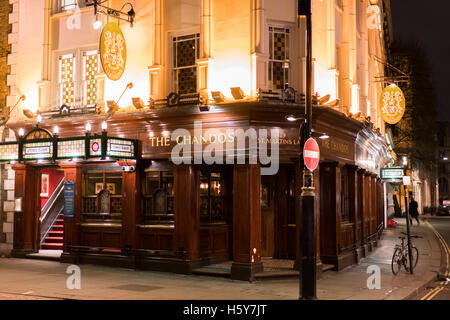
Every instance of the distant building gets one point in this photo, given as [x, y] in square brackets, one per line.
[444, 162]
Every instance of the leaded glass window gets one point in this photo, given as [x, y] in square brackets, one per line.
[91, 67]
[185, 52]
[279, 58]
[66, 79]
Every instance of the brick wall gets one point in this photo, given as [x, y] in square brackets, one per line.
[6, 174]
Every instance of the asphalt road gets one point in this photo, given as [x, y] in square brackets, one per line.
[440, 289]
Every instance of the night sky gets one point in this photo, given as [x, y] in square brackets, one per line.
[428, 22]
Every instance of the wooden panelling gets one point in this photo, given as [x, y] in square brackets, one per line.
[330, 214]
[247, 213]
[187, 210]
[214, 241]
[346, 240]
[104, 237]
[156, 239]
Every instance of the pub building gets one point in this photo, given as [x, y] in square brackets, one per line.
[98, 179]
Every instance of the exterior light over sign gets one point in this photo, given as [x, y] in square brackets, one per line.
[104, 126]
[291, 118]
[39, 118]
[88, 127]
[405, 160]
[97, 24]
[56, 130]
[21, 132]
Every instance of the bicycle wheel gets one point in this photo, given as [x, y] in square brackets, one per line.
[415, 258]
[397, 260]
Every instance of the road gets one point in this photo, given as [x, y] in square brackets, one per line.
[440, 289]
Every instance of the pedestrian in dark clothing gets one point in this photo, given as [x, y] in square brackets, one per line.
[413, 211]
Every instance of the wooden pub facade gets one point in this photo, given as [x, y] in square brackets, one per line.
[131, 205]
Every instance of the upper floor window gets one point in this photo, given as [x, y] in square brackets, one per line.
[67, 79]
[186, 49]
[67, 5]
[278, 58]
[90, 70]
[73, 86]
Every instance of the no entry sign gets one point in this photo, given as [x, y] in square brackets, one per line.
[311, 154]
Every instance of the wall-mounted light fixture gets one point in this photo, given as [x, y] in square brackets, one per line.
[237, 93]
[6, 117]
[117, 14]
[138, 103]
[217, 96]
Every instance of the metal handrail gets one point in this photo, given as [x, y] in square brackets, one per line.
[51, 200]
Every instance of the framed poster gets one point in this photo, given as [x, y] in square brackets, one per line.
[98, 187]
[111, 187]
[44, 185]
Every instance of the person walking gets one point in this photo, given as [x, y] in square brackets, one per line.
[413, 211]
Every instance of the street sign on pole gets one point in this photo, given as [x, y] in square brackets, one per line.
[311, 154]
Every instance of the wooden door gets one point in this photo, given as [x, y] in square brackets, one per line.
[267, 217]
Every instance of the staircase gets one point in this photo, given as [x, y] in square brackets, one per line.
[54, 238]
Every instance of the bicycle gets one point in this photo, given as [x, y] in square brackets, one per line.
[401, 255]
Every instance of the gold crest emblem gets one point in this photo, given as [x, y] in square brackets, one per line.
[113, 51]
[392, 104]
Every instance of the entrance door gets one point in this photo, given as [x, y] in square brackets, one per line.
[267, 216]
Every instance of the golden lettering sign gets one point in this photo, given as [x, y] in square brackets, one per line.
[392, 104]
[335, 146]
[113, 51]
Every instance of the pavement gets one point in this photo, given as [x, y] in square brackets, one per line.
[30, 279]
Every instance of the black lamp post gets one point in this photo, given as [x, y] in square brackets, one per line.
[307, 277]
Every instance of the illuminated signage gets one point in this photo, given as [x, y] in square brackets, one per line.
[38, 150]
[121, 148]
[392, 104]
[392, 173]
[113, 51]
[9, 151]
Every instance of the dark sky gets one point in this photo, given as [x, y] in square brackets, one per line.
[428, 22]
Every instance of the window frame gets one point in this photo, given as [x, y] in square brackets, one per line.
[79, 73]
[147, 216]
[97, 216]
[290, 55]
[173, 87]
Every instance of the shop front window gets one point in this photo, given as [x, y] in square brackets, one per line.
[212, 197]
[102, 196]
[158, 197]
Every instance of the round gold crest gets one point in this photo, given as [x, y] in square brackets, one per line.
[113, 51]
[392, 104]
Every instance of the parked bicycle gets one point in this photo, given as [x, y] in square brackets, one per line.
[401, 255]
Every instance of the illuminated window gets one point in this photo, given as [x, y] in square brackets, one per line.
[186, 49]
[91, 68]
[67, 5]
[67, 79]
[158, 197]
[212, 197]
[279, 58]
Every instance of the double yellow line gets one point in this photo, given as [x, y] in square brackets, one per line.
[430, 295]
[445, 246]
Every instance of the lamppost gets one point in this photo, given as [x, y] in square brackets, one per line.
[408, 232]
[307, 277]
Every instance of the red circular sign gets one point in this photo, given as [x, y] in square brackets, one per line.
[311, 154]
